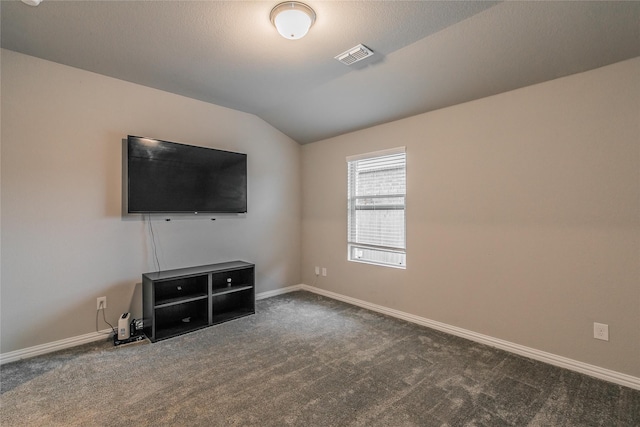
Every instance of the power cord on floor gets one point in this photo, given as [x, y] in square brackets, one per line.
[113, 330]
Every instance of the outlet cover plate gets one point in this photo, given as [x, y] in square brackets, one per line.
[601, 331]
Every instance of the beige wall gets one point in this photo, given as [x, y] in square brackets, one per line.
[523, 216]
[64, 241]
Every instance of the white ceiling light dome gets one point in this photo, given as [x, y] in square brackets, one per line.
[292, 19]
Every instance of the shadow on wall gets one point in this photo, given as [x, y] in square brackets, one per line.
[135, 308]
[116, 180]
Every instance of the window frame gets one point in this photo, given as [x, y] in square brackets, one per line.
[352, 196]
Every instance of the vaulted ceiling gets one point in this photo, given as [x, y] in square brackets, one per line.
[428, 54]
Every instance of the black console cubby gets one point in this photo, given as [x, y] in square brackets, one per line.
[231, 305]
[170, 291]
[177, 319]
[187, 299]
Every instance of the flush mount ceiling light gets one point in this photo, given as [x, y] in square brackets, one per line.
[292, 19]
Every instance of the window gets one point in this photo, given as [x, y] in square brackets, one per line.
[376, 205]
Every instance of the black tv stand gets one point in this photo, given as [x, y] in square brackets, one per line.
[175, 302]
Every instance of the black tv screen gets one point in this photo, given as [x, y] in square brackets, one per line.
[167, 177]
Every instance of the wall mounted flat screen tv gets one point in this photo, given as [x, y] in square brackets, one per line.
[167, 177]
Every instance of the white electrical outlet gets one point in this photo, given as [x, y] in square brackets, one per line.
[324, 272]
[101, 303]
[601, 331]
[317, 270]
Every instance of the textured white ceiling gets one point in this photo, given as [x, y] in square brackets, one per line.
[428, 54]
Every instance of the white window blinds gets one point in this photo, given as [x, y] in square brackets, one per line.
[376, 207]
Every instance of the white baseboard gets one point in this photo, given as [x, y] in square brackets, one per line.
[37, 350]
[275, 292]
[542, 356]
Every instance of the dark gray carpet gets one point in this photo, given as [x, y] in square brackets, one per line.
[305, 360]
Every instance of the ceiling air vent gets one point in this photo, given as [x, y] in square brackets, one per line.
[354, 54]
